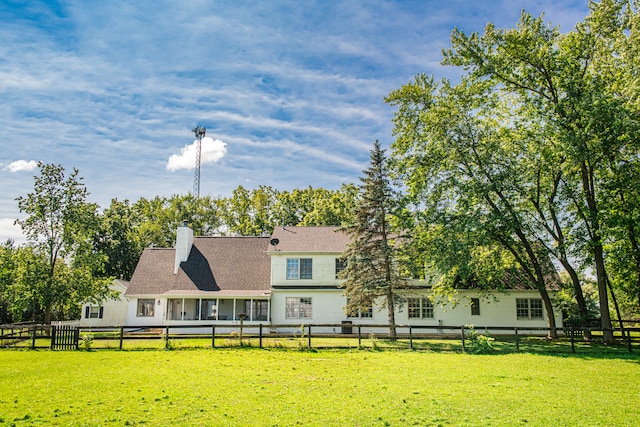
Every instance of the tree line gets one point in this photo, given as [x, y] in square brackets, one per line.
[75, 249]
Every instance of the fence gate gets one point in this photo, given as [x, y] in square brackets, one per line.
[64, 337]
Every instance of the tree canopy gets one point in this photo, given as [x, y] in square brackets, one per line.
[533, 153]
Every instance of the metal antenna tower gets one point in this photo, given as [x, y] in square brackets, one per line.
[199, 131]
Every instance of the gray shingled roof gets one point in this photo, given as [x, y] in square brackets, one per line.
[309, 239]
[229, 265]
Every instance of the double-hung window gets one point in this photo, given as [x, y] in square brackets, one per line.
[93, 312]
[299, 268]
[420, 308]
[298, 308]
[341, 264]
[529, 308]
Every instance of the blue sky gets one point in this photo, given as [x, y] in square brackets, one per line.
[291, 92]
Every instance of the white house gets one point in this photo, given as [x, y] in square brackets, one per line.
[111, 312]
[287, 280]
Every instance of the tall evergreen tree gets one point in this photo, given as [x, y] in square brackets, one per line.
[372, 274]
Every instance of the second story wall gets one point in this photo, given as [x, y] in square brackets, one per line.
[303, 270]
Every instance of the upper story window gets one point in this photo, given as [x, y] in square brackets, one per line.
[299, 268]
[341, 264]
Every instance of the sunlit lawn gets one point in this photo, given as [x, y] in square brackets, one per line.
[250, 386]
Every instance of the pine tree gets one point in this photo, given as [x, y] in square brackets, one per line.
[372, 274]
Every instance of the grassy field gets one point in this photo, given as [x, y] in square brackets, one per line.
[275, 387]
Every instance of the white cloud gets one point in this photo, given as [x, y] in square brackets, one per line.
[9, 230]
[212, 151]
[22, 165]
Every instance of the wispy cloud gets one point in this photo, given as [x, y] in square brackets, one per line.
[294, 89]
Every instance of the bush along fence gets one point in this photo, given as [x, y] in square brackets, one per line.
[467, 338]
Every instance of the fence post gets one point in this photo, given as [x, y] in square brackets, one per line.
[33, 337]
[309, 336]
[213, 336]
[166, 338]
[464, 349]
[517, 339]
[76, 338]
[260, 335]
[121, 336]
[410, 338]
[53, 336]
[573, 346]
[359, 336]
[629, 340]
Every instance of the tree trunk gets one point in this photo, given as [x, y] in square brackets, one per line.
[551, 318]
[391, 315]
[605, 316]
[635, 250]
[588, 188]
[579, 296]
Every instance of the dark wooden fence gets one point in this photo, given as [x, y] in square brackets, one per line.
[65, 337]
[305, 335]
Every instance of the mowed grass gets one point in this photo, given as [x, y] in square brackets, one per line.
[275, 387]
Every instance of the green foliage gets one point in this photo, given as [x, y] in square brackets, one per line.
[372, 273]
[478, 343]
[535, 151]
[59, 269]
[86, 341]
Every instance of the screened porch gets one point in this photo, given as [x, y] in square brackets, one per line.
[218, 309]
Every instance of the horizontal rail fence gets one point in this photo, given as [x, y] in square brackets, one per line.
[342, 335]
[17, 334]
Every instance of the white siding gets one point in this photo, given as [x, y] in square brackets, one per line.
[324, 270]
[114, 312]
[158, 314]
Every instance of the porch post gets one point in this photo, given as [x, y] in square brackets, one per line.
[217, 308]
[251, 309]
[269, 309]
[234, 309]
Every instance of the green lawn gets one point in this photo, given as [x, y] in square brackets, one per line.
[249, 386]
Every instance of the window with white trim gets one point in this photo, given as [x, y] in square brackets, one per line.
[298, 308]
[362, 313]
[529, 308]
[299, 268]
[420, 308]
[93, 312]
[146, 307]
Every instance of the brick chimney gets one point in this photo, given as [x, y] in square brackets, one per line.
[184, 241]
